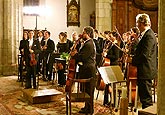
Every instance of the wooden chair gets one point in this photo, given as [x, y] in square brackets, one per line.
[78, 95]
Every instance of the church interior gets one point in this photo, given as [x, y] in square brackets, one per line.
[55, 18]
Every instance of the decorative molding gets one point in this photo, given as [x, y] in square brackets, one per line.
[148, 5]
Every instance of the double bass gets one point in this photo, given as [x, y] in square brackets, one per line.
[71, 68]
[131, 73]
[131, 81]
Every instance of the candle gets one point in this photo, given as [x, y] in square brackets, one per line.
[136, 96]
[112, 95]
[116, 103]
[130, 92]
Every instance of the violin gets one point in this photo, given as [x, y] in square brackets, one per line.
[33, 61]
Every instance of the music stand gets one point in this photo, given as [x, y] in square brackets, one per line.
[111, 75]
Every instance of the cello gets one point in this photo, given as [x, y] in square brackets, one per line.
[131, 82]
[71, 68]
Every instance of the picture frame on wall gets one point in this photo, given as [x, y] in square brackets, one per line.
[73, 13]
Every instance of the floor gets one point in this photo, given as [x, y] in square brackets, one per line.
[11, 99]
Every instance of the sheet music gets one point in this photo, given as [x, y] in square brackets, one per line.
[111, 74]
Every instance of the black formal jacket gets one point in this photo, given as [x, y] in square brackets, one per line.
[35, 47]
[101, 42]
[99, 50]
[86, 60]
[145, 56]
[49, 51]
[22, 45]
[50, 46]
[113, 55]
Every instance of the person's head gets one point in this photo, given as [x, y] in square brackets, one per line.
[40, 33]
[31, 34]
[113, 35]
[46, 34]
[96, 33]
[74, 36]
[125, 36]
[63, 37]
[142, 21]
[106, 34]
[135, 32]
[25, 35]
[88, 32]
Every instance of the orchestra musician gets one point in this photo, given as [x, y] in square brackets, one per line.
[40, 37]
[134, 40]
[99, 47]
[113, 51]
[48, 46]
[31, 51]
[74, 37]
[21, 48]
[85, 58]
[63, 46]
[145, 59]
[113, 55]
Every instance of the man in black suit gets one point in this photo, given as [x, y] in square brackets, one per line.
[113, 50]
[85, 58]
[31, 52]
[113, 55]
[40, 38]
[145, 60]
[48, 47]
[99, 48]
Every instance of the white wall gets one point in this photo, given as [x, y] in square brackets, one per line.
[55, 21]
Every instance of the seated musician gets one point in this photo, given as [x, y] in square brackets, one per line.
[48, 47]
[31, 52]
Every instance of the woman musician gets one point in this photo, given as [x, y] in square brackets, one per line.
[22, 46]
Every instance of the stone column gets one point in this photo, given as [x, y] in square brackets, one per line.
[1, 35]
[161, 59]
[12, 26]
[103, 15]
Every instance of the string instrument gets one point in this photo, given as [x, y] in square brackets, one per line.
[71, 69]
[33, 61]
[100, 85]
[131, 72]
[131, 81]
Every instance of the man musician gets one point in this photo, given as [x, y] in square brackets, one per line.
[31, 51]
[85, 58]
[48, 47]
